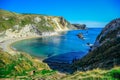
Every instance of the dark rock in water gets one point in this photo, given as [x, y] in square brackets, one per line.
[80, 26]
[90, 45]
[105, 51]
[80, 35]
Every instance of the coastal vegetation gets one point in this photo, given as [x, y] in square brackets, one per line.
[23, 66]
[95, 74]
[102, 63]
[14, 25]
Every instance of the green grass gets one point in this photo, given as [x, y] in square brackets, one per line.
[96, 74]
[24, 19]
[19, 65]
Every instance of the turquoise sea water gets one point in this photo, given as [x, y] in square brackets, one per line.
[65, 47]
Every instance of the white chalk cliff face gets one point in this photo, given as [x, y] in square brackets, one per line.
[28, 30]
[30, 25]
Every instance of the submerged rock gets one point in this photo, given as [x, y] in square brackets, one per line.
[80, 35]
[90, 45]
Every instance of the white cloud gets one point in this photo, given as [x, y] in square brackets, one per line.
[92, 24]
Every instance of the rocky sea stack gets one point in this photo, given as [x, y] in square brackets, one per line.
[80, 26]
[105, 52]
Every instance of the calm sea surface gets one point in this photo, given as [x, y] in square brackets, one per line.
[65, 47]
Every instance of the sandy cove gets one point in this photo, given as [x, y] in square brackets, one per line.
[5, 43]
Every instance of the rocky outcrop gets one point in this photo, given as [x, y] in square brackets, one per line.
[30, 30]
[109, 33]
[80, 26]
[80, 35]
[26, 25]
[105, 51]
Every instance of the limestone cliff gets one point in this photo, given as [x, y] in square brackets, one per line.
[106, 49]
[24, 25]
[80, 26]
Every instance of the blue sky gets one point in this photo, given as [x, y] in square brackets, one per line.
[94, 13]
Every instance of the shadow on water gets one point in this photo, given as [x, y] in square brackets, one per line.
[62, 62]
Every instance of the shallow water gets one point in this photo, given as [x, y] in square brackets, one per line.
[67, 46]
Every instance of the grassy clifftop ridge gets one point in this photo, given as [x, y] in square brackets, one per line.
[26, 24]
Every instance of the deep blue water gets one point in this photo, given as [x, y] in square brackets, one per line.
[65, 47]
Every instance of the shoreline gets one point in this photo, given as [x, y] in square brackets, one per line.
[6, 43]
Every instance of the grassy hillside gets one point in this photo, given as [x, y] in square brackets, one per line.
[23, 66]
[42, 22]
[96, 74]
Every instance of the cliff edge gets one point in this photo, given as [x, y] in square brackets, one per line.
[14, 25]
[105, 52]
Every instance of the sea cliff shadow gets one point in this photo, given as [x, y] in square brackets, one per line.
[62, 62]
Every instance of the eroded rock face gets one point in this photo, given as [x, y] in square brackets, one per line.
[37, 19]
[62, 21]
[106, 49]
[80, 35]
[27, 25]
[29, 30]
[80, 26]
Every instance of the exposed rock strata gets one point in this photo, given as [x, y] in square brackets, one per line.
[16, 25]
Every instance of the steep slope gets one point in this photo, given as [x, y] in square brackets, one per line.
[23, 25]
[106, 50]
[96, 74]
[23, 66]
[19, 64]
